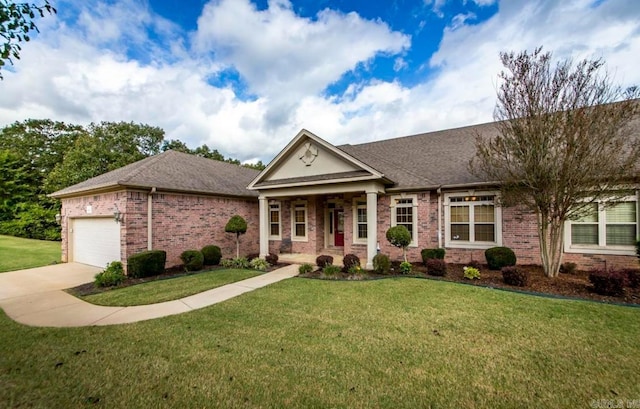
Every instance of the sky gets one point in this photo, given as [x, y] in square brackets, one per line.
[245, 76]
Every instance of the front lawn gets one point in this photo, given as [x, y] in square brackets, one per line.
[394, 343]
[168, 289]
[17, 253]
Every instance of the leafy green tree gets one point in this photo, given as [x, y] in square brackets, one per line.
[175, 145]
[399, 236]
[238, 225]
[105, 147]
[564, 142]
[15, 184]
[16, 22]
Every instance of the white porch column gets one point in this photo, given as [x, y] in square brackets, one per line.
[372, 227]
[264, 231]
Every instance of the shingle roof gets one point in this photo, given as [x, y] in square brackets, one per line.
[173, 171]
[425, 160]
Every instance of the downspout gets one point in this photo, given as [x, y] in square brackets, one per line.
[150, 219]
[439, 217]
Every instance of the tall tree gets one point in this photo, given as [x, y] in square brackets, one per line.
[16, 22]
[565, 141]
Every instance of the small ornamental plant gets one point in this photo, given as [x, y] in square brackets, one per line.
[357, 270]
[259, 264]
[405, 267]
[305, 268]
[471, 273]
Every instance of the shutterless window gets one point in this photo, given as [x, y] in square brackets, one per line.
[614, 225]
[404, 214]
[361, 219]
[300, 220]
[274, 219]
[472, 219]
[585, 230]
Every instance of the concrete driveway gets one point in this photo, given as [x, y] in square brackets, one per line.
[35, 297]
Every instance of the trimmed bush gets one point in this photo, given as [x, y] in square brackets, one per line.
[475, 264]
[348, 261]
[436, 267]
[212, 255]
[399, 237]
[252, 256]
[331, 270]
[568, 268]
[324, 260]
[193, 260]
[607, 282]
[272, 259]
[428, 254]
[239, 263]
[498, 257]
[305, 268]
[638, 249]
[146, 264]
[633, 277]
[381, 264]
[259, 264]
[514, 276]
[113, 275]
[406, 267]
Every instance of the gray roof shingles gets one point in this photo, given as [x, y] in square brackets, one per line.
[173, 171]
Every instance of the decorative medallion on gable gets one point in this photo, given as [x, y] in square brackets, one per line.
[308, 153]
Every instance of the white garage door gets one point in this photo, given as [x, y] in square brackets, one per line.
[96, 241]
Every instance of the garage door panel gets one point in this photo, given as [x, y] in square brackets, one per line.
[96, 241]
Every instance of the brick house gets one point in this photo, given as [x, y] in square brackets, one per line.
[316, 198]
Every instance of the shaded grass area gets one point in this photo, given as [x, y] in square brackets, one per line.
[168, 289]
[396, 343]
[17, 253]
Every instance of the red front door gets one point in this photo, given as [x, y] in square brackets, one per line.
[338, 220]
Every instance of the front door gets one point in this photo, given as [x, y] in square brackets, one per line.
[338, 230]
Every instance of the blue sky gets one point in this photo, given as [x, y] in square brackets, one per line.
[245, 76]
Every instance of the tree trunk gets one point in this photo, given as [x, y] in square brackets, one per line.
[237, 245]
[551, 232]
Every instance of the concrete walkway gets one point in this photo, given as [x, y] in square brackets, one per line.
[35, 297]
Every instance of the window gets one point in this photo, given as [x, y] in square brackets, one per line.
[404, 212]
[299, 221]
[274, 220]
[360, 220]
[611, 229]
[472, 220]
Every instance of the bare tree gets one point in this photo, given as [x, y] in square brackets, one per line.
[566, 140]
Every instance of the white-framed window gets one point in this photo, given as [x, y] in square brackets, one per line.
[299, 220]
[274, 220]
[605, 229]
[472, 220]
[360, 220]
[404, 212]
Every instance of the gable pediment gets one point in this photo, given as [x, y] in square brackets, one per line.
[309, 159]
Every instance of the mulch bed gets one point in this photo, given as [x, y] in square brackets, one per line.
[574, 285]
[173, 272]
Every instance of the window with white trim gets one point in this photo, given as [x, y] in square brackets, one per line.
[404, 212]
[472, 220]
[274, 220]
[611, 228]
[299, 221]
[360, 220]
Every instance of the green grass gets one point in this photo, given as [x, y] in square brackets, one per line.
[169, 289]
[395, 343]
[18, 253]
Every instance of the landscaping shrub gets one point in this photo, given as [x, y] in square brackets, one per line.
[436, 267]
[212, 255]
[305, 268]
[193, 260]
[399, 236]
[252, 256]
[259, 264]
[471, 273]
[331, 270]
[381, 264]
[514, 276]
[324, 260]
[568, 268]
[348, 261]
[474, 264]
[239, 263]
[356, 269]
[498, 257]
[406, 267]
[146, 264]
[633, 277]
[638, 249]
[428, 254]
[607, 282]
[272, 259]
[111, 276]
